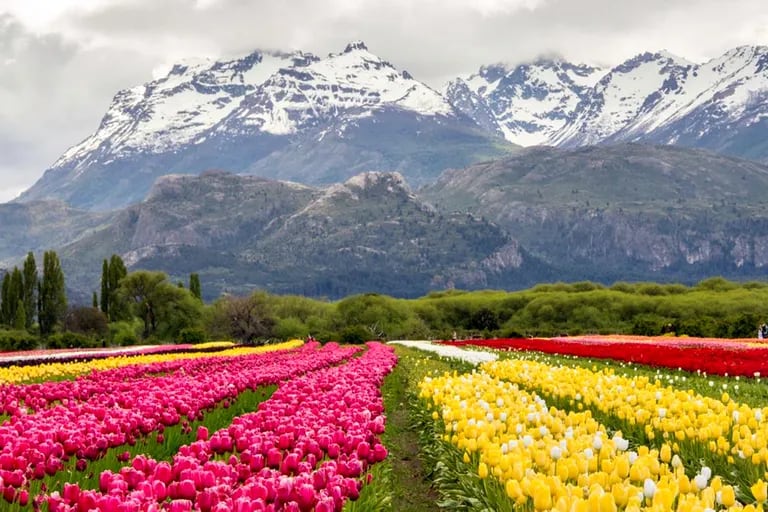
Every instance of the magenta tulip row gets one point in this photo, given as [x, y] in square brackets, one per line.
[18, 399]
[33, 445]
[33, 357]
[307, 448]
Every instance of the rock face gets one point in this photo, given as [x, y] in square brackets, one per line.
[371, 233]
[604, 213]
[622, 212]
[42, 225]
[285, 116]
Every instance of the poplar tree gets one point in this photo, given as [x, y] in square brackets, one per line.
[4, 300]
[15, 295]
[105, 287]
[53, 299]
[112, 272]
[21, 317]
[194, 285]
[30, 289]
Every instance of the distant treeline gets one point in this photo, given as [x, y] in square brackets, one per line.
[713, 308]
[145, 307]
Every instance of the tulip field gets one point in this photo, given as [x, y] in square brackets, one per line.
[562, 424]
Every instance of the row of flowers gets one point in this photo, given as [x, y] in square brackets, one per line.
[307, 448]
[726, 358]
[468, 356]
[24, 357]
[119, 374]
[115, 414]
[734, 431]
[546, 458]
[82, 366]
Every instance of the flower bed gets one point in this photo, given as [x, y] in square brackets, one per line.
[545, 458]
[705, 355]
[307, 448]
[472, 357]
[45, 369]
[111, 412]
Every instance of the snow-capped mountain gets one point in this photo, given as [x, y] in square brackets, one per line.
[527, 104]
[653, 97]
[624, 98]
[299, 117]
[350, 111]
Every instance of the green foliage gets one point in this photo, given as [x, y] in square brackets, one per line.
[165, 309]
[30, 281]
[112, 303]
[52, 297]
[192, 335]
[17, 340]
[19, 322]
[194, 286]
[290, 328]
[245, 319]
[378, 314]
[89, 322]
[711, 309]
[355, 334]
[12, 296]
[125, 333]
[70, 340]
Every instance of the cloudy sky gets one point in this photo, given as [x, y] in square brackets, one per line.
[61, 61]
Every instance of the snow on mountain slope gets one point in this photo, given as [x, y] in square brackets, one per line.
[660, 97]
[351, 84]
[527, 103]
[653, 97]
[271, 92]
[621, 96]
[176, 109]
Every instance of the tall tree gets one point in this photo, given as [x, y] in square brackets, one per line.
[95, 301]
[105, 287]
[15, 295]
[246, 319]
[53, 299]
[194, 285]
[115, 272]
[164, 308]
[30, 288]
[19, 322]
[112, 271]
[4, 300]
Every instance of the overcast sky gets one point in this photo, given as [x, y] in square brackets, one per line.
[61, 61]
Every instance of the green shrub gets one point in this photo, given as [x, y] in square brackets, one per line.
[192, 335]
[69, 339]
[18, 340]
[355, 334]
[123, 333]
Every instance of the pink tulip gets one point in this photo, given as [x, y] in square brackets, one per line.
[180, 506]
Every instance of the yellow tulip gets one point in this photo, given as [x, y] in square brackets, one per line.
[665, 454]
[482, 470]
[760, 491]
[542, 498]
[727, 496]
[607, 503]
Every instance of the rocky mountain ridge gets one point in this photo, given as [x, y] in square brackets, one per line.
[264, 114]
[654, 97]
[622, 212]
[371, 233]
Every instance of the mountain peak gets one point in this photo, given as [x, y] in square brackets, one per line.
[355, 45]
